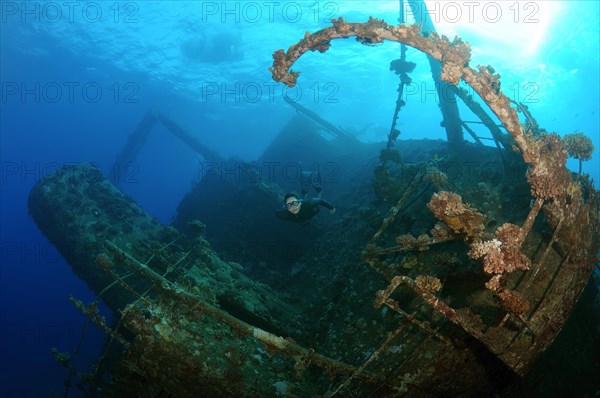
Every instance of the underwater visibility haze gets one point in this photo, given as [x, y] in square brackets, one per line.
[299, 198]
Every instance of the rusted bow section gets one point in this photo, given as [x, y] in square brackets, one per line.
[538, 288]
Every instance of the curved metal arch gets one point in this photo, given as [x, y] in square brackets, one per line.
[454, 56]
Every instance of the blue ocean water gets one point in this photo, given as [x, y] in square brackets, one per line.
[77, 77]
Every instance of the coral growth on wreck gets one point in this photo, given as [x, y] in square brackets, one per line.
[501, 254]
[548, 177]
[512, 300]
[460, 217]
[200, 327]
[579, 146]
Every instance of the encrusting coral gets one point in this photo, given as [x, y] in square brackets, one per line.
[461, 218]
[428, 283]
[511, 237]
[513, 301]
[406, 241]
[493, 261]
[456, 54]
[569, 212]
[436, 177]
[441, 232]
[502, 254]
[548, 177]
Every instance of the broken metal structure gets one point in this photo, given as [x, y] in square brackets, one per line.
[461, 305]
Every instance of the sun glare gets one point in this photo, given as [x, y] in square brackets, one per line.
[515, 26]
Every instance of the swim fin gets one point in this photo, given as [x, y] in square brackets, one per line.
[316, 181]
[305, 182]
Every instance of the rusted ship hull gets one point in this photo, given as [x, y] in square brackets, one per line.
[471, 279]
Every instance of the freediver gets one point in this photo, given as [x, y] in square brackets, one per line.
[301, 209]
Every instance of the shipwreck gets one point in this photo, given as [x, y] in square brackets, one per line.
[434, 278]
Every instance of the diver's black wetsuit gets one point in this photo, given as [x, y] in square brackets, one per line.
[308, 209]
